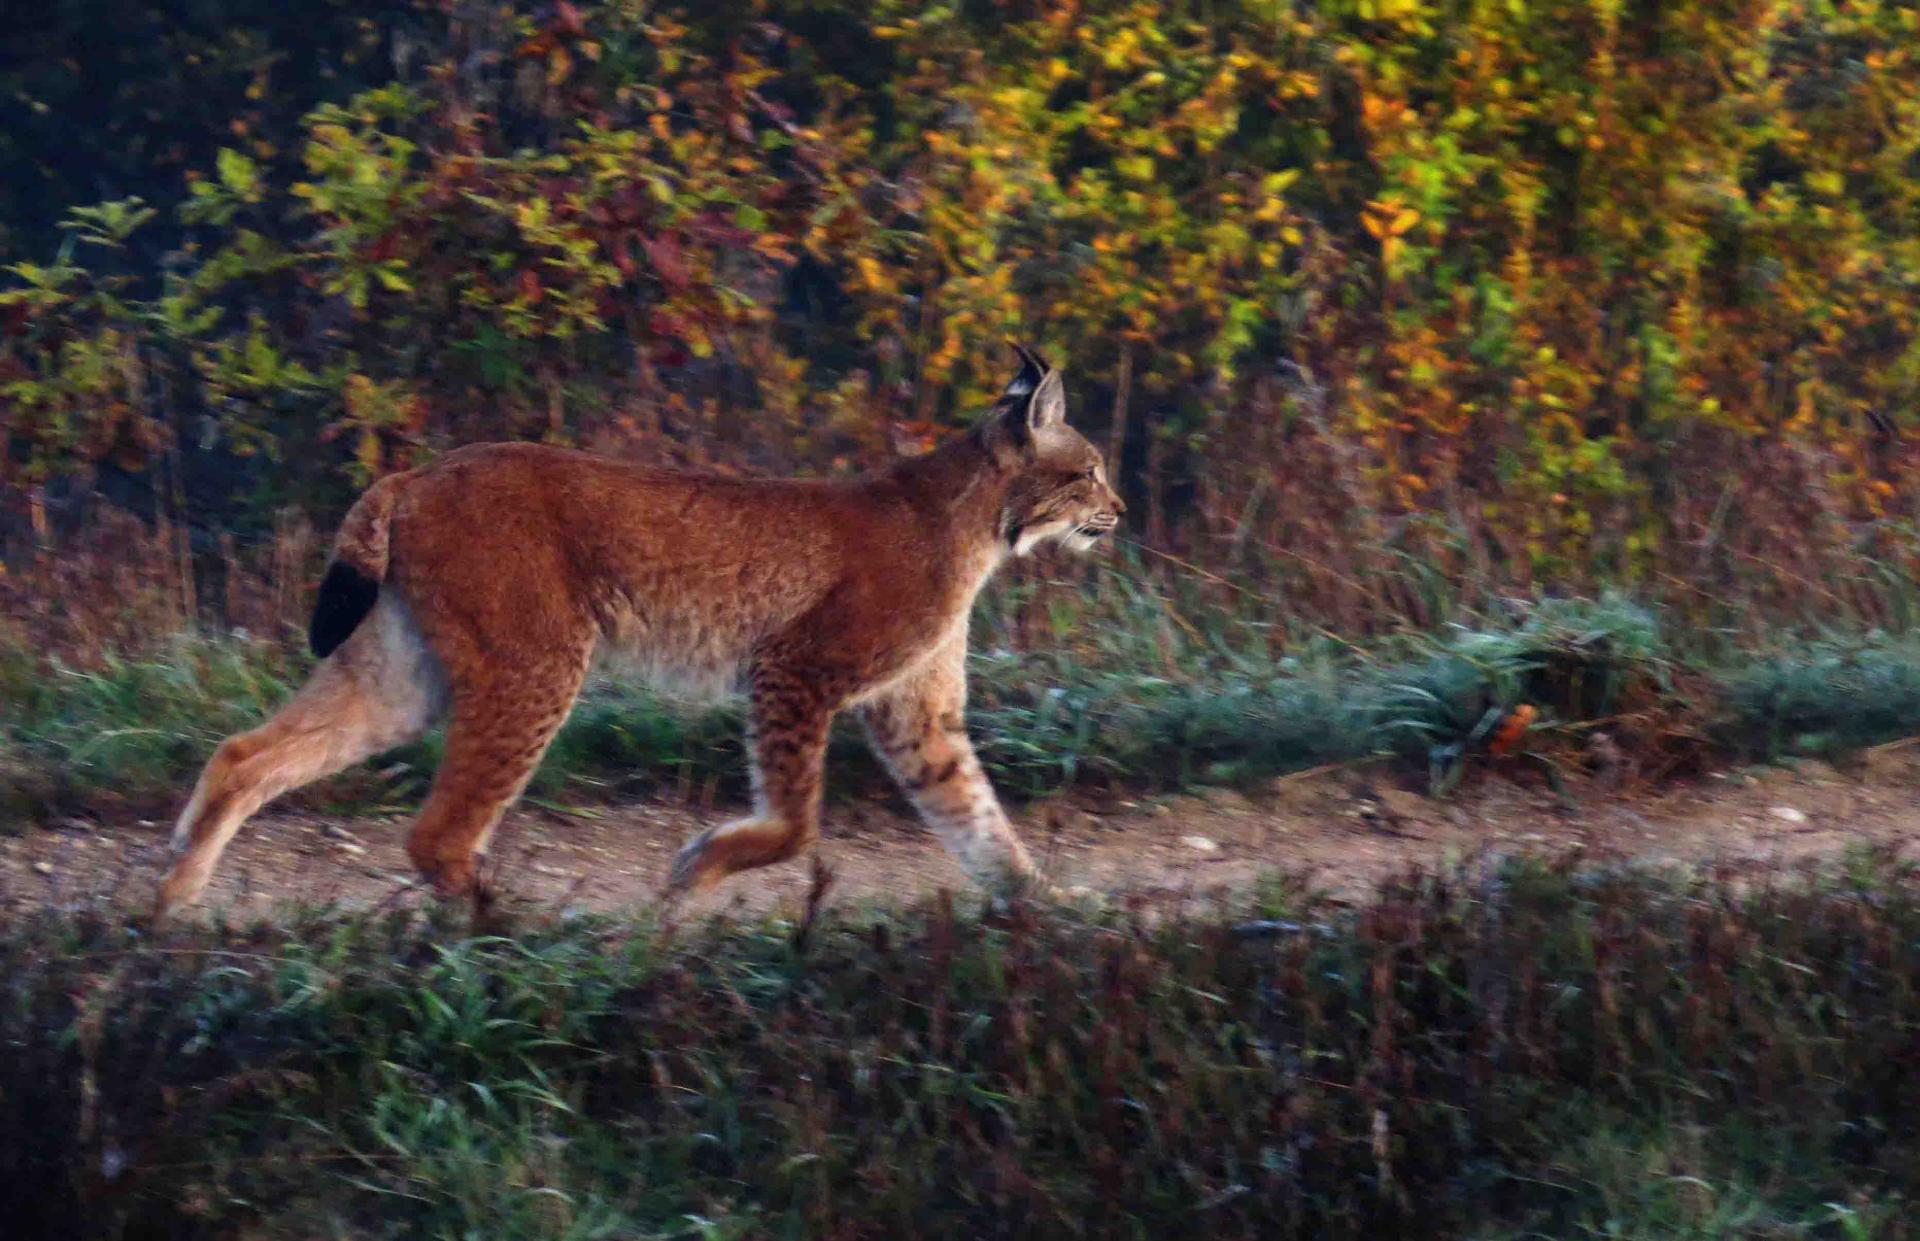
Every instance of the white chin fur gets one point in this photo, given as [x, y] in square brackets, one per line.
[1034, 536]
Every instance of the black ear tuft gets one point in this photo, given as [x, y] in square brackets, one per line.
[346, 596]
[1032, 371]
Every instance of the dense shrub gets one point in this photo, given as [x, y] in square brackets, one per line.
[1356, 292]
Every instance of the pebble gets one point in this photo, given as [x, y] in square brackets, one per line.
[43, 868]
[1204, 844]
[1788, 814]
[1403, 804]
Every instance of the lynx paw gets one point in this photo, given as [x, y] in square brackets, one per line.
[692, 869]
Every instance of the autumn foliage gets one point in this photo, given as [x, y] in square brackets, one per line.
[1359, 293]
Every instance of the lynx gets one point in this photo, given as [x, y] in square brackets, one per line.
[479, 588]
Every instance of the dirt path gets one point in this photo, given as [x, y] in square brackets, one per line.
[1348, 828]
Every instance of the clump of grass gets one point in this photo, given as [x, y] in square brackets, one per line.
[1529, 1051]
[1141, 691]
[623, 736]
[119, 733]
[1227, 715]
[1825, 697]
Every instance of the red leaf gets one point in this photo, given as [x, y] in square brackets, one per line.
[668, 262]
[666, 325]
[717, 228]
[623, 259]
[567, 20]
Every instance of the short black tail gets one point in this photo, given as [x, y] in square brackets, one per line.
[346, 596]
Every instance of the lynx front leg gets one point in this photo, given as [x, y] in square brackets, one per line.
[919, 730]
[788, 739]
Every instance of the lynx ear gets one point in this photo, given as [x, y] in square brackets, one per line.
[1031, 403]
[1048, 408]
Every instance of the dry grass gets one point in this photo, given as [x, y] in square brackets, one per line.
[1533, 1051]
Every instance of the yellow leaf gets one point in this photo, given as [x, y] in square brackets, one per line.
[1277, 182]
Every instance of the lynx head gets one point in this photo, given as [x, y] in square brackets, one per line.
[1058, 490]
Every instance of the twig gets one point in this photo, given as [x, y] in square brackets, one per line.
[1195, 569]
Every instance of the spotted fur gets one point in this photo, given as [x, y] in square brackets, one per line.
[479, 589]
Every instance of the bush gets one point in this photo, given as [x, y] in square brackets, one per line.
[1528, 1051]
[1361, 299]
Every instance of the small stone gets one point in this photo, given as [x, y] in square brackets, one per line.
[1787, 814]
[1203, 844]
[43, 868]
[1402, 804]
[351, 850]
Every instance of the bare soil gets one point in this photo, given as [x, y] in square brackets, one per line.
[1346, 829]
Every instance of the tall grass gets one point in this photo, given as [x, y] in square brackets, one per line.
[1121, 684]
[1532, 1051]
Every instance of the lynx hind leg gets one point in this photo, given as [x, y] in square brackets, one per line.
[919, 732]
[787, 740]
[498, 730]
[373, 695]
